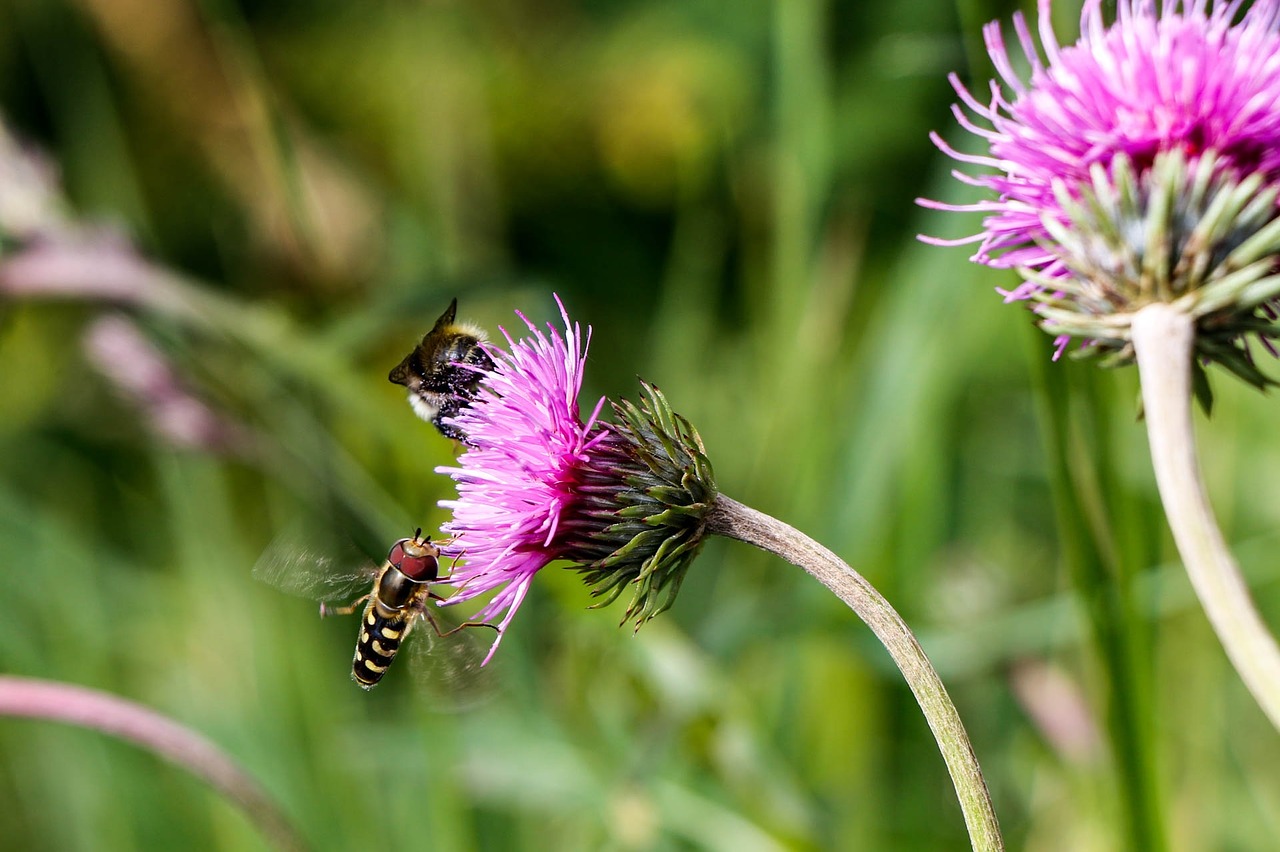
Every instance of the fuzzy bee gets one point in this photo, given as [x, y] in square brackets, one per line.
[441, 373]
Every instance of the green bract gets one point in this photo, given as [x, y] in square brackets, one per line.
[662, 488]
[1191, 234]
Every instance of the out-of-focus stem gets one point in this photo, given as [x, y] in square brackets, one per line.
[1163, 340]
[734, 520]
[32, 698]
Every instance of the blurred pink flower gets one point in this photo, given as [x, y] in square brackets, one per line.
[98, 265]
[116, 348]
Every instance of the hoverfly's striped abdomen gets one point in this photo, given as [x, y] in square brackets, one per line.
[379, 640]
[400, 593]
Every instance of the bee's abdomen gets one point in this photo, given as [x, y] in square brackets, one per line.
[376, 647]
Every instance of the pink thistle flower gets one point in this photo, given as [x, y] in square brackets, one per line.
[628, 503]
[538, 483]
[1117, 156]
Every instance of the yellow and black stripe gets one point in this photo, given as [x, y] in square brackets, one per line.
[377, 645]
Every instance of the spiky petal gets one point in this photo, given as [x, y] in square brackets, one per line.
[517, 481]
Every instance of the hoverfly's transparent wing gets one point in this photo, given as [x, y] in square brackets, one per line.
[449, 667]
[307, 564]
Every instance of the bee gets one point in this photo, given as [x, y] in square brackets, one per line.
[444, 370]
[400, 595]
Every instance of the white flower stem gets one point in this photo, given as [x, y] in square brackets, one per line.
[1162, 340]
[734, 520]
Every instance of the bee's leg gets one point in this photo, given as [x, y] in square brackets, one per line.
[444, 411]
[326, 610]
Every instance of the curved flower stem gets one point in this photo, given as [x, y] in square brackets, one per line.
[1162, 340]
[31, 698]
[734, 520]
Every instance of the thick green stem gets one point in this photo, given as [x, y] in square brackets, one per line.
[1163, 339]
[734, 520]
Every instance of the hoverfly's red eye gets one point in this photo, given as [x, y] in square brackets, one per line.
[396, 555]
[420, 567]
[415, 559]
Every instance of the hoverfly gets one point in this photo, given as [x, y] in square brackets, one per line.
[400, 597]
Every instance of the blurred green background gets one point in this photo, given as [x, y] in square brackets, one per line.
[723, 191]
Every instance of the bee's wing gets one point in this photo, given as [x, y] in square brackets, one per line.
[300, 564]
[450, 667]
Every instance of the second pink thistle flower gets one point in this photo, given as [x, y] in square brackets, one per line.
[1140, 164]
[1137, 183]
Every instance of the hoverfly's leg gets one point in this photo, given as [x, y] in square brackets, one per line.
[492, 627]
[445, 542]
[326, 610]
[433, 596]
[453, 566]
[443, 633]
